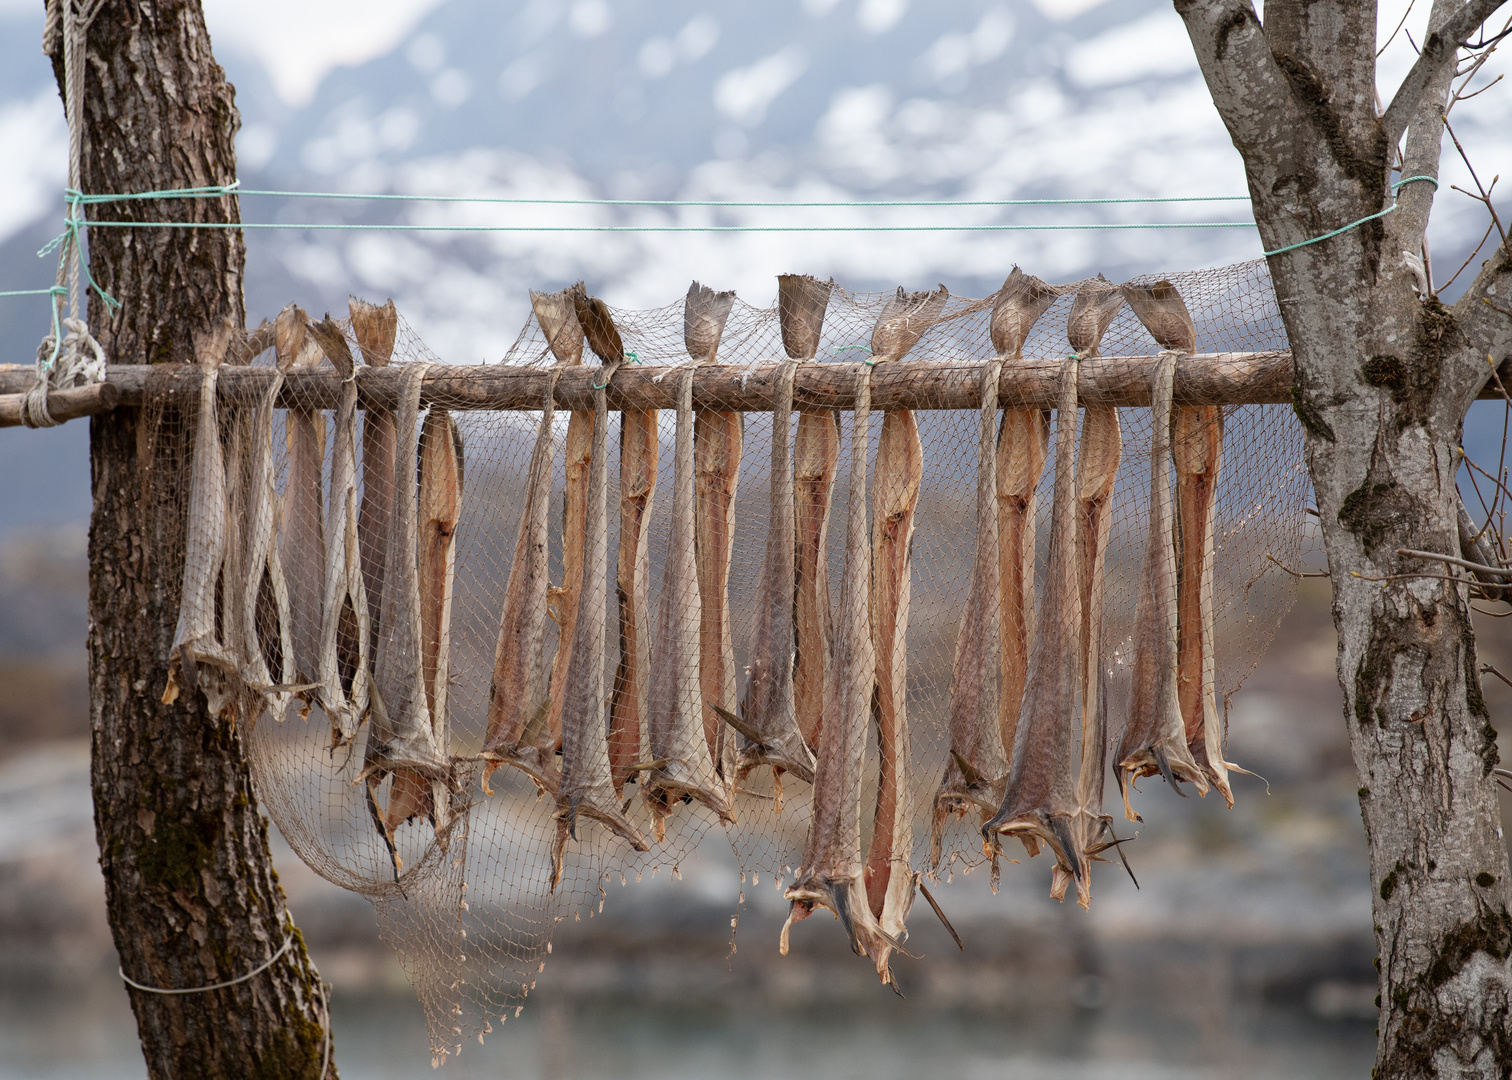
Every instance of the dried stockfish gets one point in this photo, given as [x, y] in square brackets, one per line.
[681, 766]
[1154, 737]
[304, 497]
[895, 498]
[197, 639]
[517, 698]
[832, 873]
[1197, 444]
[441, 469]
[718, 440]
[564, 317]
[375, 328]
[586, 788]
[1039, 801]
[401, 739]
[344, 630]
[1022, 447]
[769, 713]
[628, 704]
[978, 765]
[801, 304]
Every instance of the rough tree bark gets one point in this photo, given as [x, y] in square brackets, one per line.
[1383, 380]
[192, 895]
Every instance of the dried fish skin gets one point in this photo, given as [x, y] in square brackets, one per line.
[518, 691]
[1023, 446]
[704, 315]
[675, 720]
[441, 470]
[904, 320]
[801, 303]
[344, 628]
[816, 459]
[770, 709]
[268, 651]
[1016, 307]
[976, 746]
[597, 325]
[557, 315]
[586, 788]
[401, 737]
[304, 499]
[1164, 314]
[375, 328]
[1092, 312]
[1039, 800]
[832, 874]
[1154, 736]
[639, 453]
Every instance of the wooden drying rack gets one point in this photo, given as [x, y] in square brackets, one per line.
[1252, 378]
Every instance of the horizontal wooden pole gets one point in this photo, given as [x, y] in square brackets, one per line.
[63, 404]
[1255, 378]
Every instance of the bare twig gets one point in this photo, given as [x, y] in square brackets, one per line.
[1397, 31]
[1412, 553]
[1438, 49]
[1490, 669]
[1485, 192]
[1295, 573]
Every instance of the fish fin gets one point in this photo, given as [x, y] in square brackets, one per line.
[738, 724]
[842, 912]
[969, 772]
[377, 813]
[929, 898]
[1165, 769]
[189, 667]
[572, 812]
[1066, 845]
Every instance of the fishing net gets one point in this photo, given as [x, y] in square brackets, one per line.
[478, 871]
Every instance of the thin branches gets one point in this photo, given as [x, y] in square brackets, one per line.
[1438, 49]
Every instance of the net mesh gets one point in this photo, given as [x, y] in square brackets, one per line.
[469, 889]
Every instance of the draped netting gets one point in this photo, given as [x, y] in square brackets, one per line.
[359, 575]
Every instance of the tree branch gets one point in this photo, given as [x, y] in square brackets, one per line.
[1438, 49]
[1247, 85]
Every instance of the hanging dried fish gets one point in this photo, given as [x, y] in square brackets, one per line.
[196, 641]
[517, 699]
[344, 630]
[267, 650]
[895, 497]
[1154, 737]
[832, 873]
[718, 441]
[375, 329]
[401, 739]
[628, 704]
[1197, 443]
[801, 304]
[1022, 447]
[441, 470]
[681, 766]
[769, 714]
[1039, 800]
[304, 498]
[978, 765]
[586, 788]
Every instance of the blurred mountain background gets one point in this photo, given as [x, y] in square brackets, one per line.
[1247, 951]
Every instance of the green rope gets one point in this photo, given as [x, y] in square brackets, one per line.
[364, 226]
[1356, 224]
[54, 291]
[73, 226]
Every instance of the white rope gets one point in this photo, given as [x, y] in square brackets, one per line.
[214, 986]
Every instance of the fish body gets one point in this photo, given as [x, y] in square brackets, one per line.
[832, 874]
[518, 691]
[770, 709]
[304, 544]
[1154, 737]
[719, 439]
[441, 470]
[676, 735]
[978, 765]
[628, 704]
[268, 652]
[375, 328]
[402, 739]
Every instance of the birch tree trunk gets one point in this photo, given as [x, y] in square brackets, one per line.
[1383, 379]
[192, 896]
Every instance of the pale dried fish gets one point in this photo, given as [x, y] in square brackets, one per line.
[1154, 736]
[628, 704]
[344, 630]
[895, 498]
[375, 329]
[586, 788]
[832, 872]
[401, 739]
[769, 708]
[1197, 442]
[978, 765]
[684, 766]
[1022, 447]
[518, 691]
[1039, 800]
[304, 499]
[718, 441]
[441, 470]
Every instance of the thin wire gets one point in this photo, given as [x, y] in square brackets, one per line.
[1355, 224]
[214, 986]
[347, 226]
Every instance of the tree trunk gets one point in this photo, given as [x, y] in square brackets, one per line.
[1383, 380]
[192, 896]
